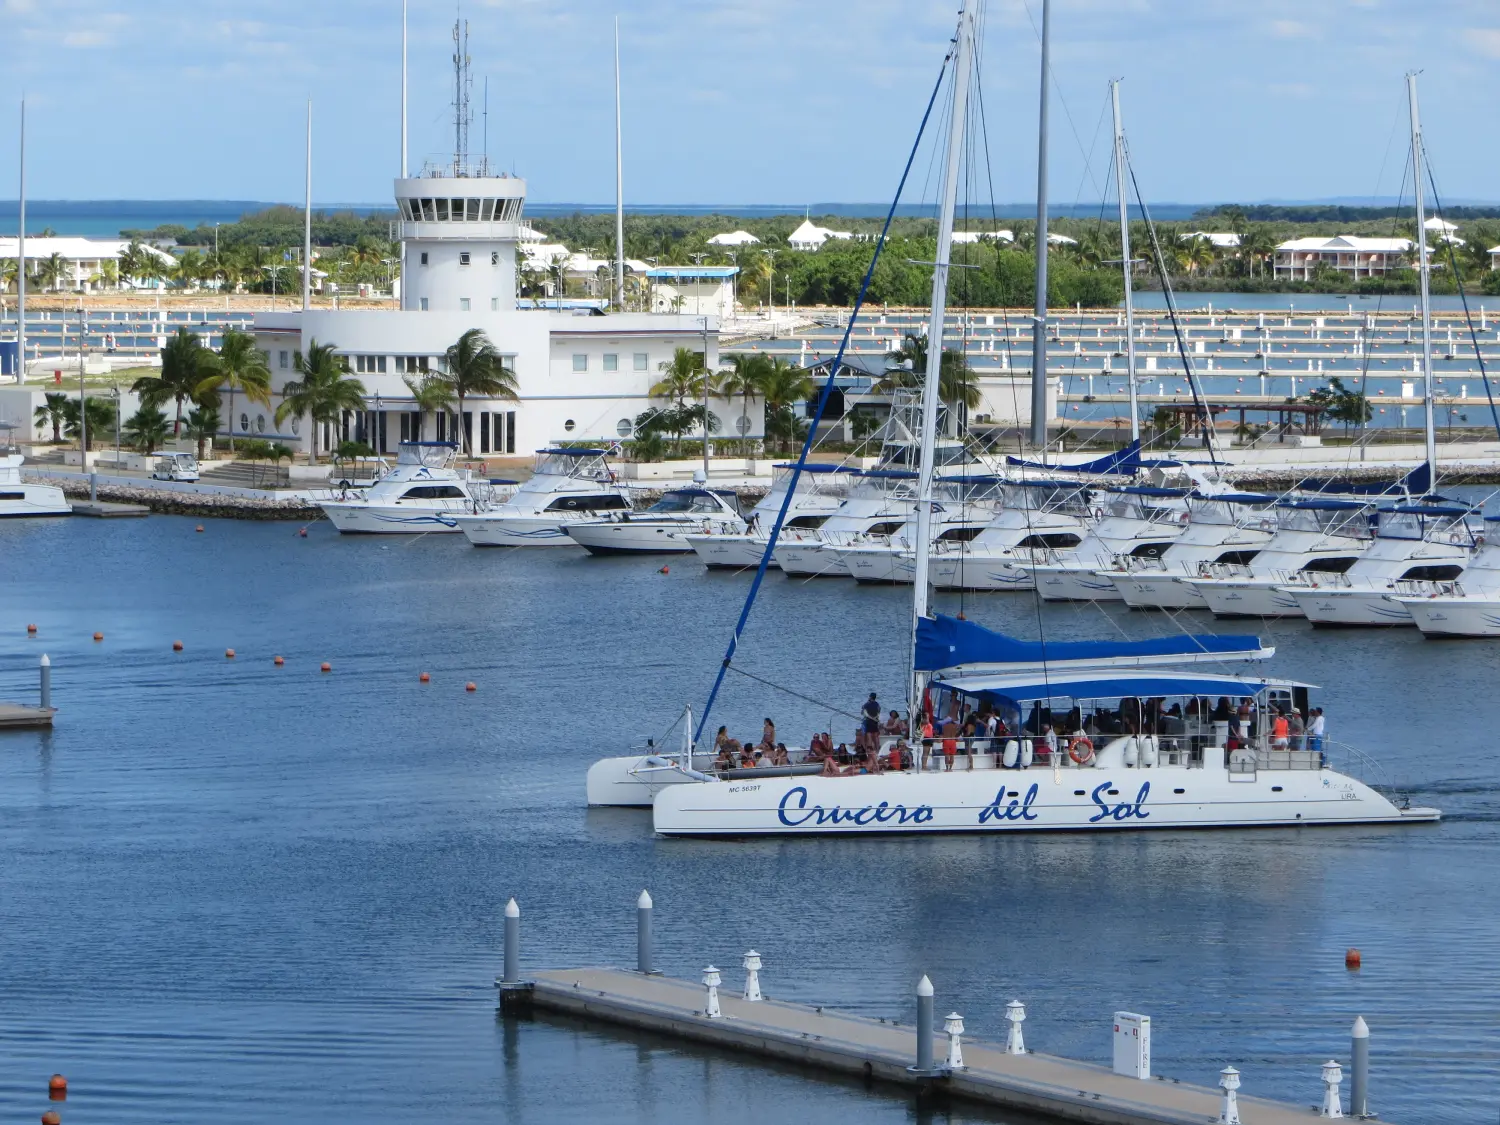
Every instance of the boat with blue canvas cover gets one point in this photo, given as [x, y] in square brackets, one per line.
[566, 485]
[423, 494]
[1468, 606]
[1135, 521]
[821, 489]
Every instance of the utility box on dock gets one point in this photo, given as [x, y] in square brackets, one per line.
[1132, 1045]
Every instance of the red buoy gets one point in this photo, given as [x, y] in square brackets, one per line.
[198, 528]
[52, 1117]
[424, 678]
[278, 662]
[229, 654]
[98, 636]
[302, 532]
[470, 686]
[57, 1086]
[176, 646]
[327, 667]
[665, 570]
[31, 628]
[1352, 959]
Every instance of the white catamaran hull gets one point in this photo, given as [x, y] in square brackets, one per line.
[354, 517]
[1247, 598]
[1073, 584]
[1465, 616]
[1037, 799]
[1345, 606]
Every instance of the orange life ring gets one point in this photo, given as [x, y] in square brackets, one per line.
[1082, 756]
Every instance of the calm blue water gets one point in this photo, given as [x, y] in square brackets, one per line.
[235, 893]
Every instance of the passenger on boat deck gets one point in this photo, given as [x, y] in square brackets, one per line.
[1242, 717]
[926, 741]
[897, 759]
[894, 724]
[871, 713]
[779, 756]
[1315, 731]
[818, 749]
[950, 744]
[1221, 712]
[1049, 736]
[768, 734]
[842, 754]
[1296, 729]
[725, 760]
[1280, 731]
[760, 758]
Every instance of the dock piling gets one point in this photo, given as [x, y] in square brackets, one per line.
[643, 909]
[752, 976]
[1229, 1082]
[711, 981]
[1333, 1074]
[512, 944]
[1015, 1014]
[46, 670]
[1359, 1069]
[954, 1026]
[924, 1026]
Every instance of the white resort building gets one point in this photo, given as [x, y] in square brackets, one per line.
[1357, 256]
[88, 264]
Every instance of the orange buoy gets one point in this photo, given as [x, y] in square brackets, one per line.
[52, 1117]
[31, 628]
[278, 662]
[470, 686]
[327, 667]
[424, 678]
[1351, 959]
[98, 636]
[302, 532]
[198, 528]
[176, 646]
[665, 570]
[229, 654]
[57, 1086]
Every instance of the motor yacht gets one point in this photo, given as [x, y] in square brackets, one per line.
[879, 502]
[662, 528]
[1466, 607]
[424, 493]
[966, 505]
[21, 498]
[1038, 519]
[820, 490]
[1134, 521]
[565, 486]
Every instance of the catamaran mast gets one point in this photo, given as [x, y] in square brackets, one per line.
[1039, 321]
[1125, 263]
[931, 376]
[1418, 163]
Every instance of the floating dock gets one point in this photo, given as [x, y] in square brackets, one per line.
[106, 509]
[14, 716]
[950, 1064]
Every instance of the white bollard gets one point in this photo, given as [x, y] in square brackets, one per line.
[711, 981]
[512, 943]
[1333, 1074]
[1015, 1012]
[752, 976]
[1229, 1082]
[954, 1026]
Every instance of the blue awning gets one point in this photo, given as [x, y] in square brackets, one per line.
[1418, 482]
[946, 642]
[1111, 685]
[1121, 462]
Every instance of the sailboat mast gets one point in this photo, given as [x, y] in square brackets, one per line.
[620, 187]
[931, 376]
[1423, 269]
[1135, 413]
[1039, 320]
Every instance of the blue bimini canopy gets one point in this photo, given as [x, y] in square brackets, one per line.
[948, 644]
[1121, 462]
[1418, 482]
[1112, 685]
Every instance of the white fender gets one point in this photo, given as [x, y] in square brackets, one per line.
[1012, 754]
[1131, 752]
[1148, 750]
[1028, 751]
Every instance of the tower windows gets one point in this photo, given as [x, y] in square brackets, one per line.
[463, 257]
[424, 257]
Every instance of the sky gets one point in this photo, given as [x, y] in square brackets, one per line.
[785, 102]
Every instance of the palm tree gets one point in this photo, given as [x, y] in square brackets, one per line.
[473, 368]
[202, 424]
[53, 412]
[957, 385]
[745, 377]
[53, 270]
[324, 392]
[100, 414]
[1195, 253]
[431, 395]
[185, 366]
[558, 272]
[241, 366]
[785, 384]
[146, 429]
[682, 377]
[1257, 245]
[7, 273]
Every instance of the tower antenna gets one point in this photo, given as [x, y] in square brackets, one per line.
[463, 87]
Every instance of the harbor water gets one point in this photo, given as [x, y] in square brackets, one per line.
[235, 892]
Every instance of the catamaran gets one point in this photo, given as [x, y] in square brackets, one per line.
[1020, 735]
[566, 485]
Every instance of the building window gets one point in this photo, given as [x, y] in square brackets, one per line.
[424, 304]
[245, 423]
[380, 365]
[624, 427]
[494, 304]
[611, 361]
[463, 304]
[282, 361]
[424, 257]
[484, 431]
[580, 363]
[494, 257]
[641, 361]
[463, 257]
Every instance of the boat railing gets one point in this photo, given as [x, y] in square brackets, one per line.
[1424, 588]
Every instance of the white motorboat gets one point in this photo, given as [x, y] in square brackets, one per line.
[1038, 519]
[566, 485]
[424, 493]
[1222, 527]
[880, 502]
[820, 490]
[1315, 536]
[1133, 521]
[965, 507]
[1125, 760]
[660, 529]
[1427, 540]
[1467, 607]
[20, 498]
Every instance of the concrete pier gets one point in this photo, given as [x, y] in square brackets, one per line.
[1058, 1088]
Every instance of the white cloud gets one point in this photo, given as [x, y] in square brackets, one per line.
[1483, 40]
[85, 39]
[1292, 29]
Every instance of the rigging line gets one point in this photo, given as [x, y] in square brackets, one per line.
[1437, 205]
[833, 368]
[794, 694]
[1161, 267]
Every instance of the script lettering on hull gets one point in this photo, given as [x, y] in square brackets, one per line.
[794, 811]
